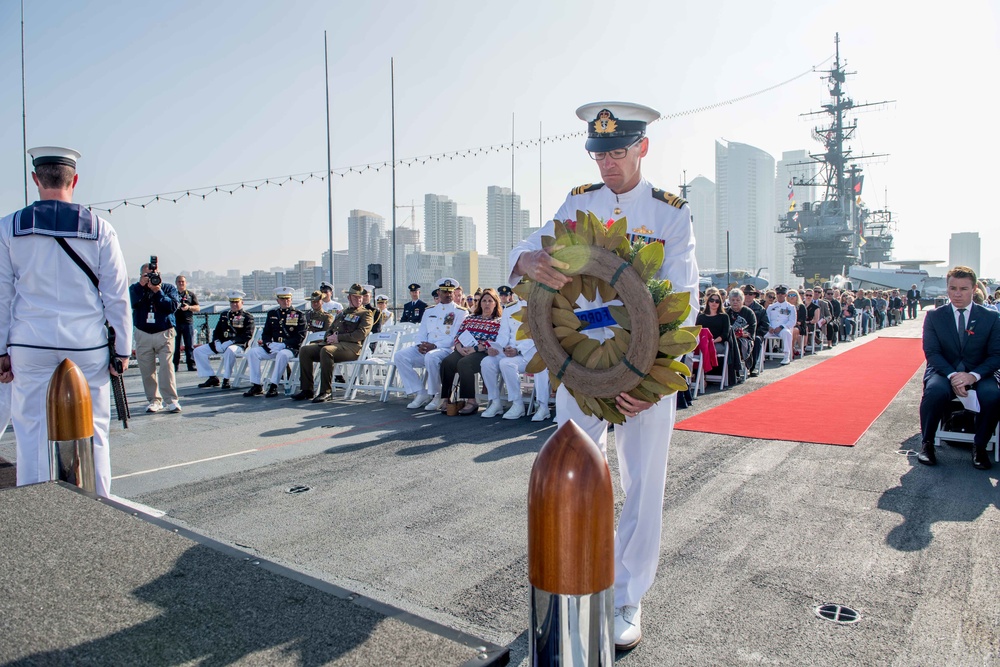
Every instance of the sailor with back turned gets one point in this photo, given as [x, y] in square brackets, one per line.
[53, 311]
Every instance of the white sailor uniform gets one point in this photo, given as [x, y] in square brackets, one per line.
[510, 368]
[643, 441]
[783, 315]
[52, 311]
[438, 326]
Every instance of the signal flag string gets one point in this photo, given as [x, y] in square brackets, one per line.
[144, 201]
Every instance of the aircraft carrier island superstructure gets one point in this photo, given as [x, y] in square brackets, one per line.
[838, 232]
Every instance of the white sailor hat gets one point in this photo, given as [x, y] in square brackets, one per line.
[369, 288]
[283, 292]
[53, 155]
[236, 295]
[448, 285]
[612, 125]
[382, 297]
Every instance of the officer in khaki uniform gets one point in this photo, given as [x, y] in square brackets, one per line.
[343, 343]
[318, 319]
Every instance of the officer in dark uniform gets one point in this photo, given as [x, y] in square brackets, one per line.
[284, 331]
[343, 343]
[232, 334]
[414, 310]
[367, 294]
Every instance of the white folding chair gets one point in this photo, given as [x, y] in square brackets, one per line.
[696, 381]
[773, 347]
[241, 365]
[392, 384]
[723, 378]
[958, 436]
[371, 371]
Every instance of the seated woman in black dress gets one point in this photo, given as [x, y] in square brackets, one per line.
[714, 318]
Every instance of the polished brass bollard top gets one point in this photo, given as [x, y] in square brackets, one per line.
[67, 405]
[571, 516]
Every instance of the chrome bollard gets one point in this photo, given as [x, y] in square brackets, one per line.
[70, 420]
[571, 565]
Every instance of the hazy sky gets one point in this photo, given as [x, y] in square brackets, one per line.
[169, 96]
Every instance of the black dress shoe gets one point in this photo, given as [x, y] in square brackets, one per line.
[254, 390]
[927, 455]
[192, 367]
[210, 382]
[302, 395]
[323, 398]
[272, 391]
[226, 384]
[980, 459]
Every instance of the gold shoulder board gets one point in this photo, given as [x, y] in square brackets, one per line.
[664, 196]
[589, 187]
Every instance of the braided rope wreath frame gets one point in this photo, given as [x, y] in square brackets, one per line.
[642, 348]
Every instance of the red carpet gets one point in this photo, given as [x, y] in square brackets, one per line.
[870, 375]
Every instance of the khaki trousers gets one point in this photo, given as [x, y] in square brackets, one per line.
[328, 356]
[150, 348]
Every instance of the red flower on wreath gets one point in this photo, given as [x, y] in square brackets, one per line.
[570, 225]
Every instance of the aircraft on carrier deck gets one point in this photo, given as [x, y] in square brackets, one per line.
[905, 274]
[727, 279]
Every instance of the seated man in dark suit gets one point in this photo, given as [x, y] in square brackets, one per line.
[962, 347]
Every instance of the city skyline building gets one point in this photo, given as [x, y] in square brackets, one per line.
[965, 249]
[365, 230]
[701, 199]
[506, 222]
[745, 216]
[440, 224]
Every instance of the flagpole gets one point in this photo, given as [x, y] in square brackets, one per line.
[24, 113]
[540, 208]
[392, 116]
[329, 165]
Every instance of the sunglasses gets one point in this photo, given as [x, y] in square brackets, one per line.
[714, 301]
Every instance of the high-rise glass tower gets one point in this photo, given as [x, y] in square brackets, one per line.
[506, 222]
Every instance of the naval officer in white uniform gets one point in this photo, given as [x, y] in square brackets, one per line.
[52, 311]
[436, 340]
[617, 142]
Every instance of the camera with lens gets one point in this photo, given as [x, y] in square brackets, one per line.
[153, 275]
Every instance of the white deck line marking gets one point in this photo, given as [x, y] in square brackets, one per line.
[187, 463]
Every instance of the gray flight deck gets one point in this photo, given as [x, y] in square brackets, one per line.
[426, 514]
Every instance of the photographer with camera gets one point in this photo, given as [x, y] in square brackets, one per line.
[185, 323]
[153, 306]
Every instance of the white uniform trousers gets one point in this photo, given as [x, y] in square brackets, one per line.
[786, 342]
[510, 368]
[279, 353]
[4, 407]
[230, 353]
[642, 443]
[32, 371]
[409, 359]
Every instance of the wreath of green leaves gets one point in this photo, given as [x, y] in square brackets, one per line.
[572, 249]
